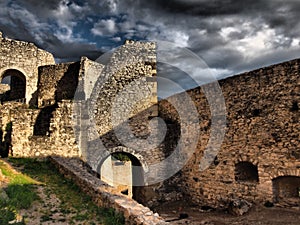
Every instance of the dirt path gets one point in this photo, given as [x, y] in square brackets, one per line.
[60, 202]
[47, 211]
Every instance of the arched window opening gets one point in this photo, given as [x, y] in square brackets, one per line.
[14, 83]
[246, 172]
[124, 172]
[287, 188]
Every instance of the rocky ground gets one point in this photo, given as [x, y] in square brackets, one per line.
[257, 215]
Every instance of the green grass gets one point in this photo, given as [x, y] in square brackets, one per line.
[16, 178]
[19, 194]
[72, 199]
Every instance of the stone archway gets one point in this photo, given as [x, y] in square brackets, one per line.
[16, 81]
[125, 172]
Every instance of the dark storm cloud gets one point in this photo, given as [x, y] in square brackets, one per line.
[208, 7]
[39, 7]
[223, 58]
[72, 51]
[229, 35]
[49, 25]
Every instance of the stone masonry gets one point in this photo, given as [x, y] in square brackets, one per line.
[82, 109]
[261, 142]
[25, 58]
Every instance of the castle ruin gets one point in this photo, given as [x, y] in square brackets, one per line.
[65, 110]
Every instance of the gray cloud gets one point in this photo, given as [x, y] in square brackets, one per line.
[229, 35]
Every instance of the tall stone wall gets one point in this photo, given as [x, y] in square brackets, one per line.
[124, 88]
[262, 136]
[88, 75]
[119, 100]
[24, 57]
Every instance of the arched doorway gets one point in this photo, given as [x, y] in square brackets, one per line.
[124, 171]
[17, 85]
[286, 189]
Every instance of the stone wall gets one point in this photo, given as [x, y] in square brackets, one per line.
[24, 57]
[104, 195]
[262, 130]
[88, 75]
[57, 82]
[120, 100]
[4, 88]
[122, 82]
[58, 140]
[125, 91]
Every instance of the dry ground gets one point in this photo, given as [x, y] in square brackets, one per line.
[258, 215]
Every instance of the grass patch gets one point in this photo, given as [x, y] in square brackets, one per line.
[45, 218]
[19, 194]
[72, 199]
[15, 177]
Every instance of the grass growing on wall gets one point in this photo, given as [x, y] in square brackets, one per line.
[75, 205]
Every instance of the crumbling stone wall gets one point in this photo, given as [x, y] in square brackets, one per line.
[262, 129]
[128, 80]
[24, 57]
[129, 66]
[57, 82]
[262, 133]
[60, 139]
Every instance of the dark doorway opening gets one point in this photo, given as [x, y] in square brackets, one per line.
[17, 85]
[286, 188]
[246, 172]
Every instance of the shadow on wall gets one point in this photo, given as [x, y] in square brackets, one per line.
[65, 90]
[43, 120]
[33, 103]
[6, 146]
[67, 85]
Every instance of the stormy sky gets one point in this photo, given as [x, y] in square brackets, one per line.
[230, 36]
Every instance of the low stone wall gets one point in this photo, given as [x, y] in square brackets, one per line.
[104, 195]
